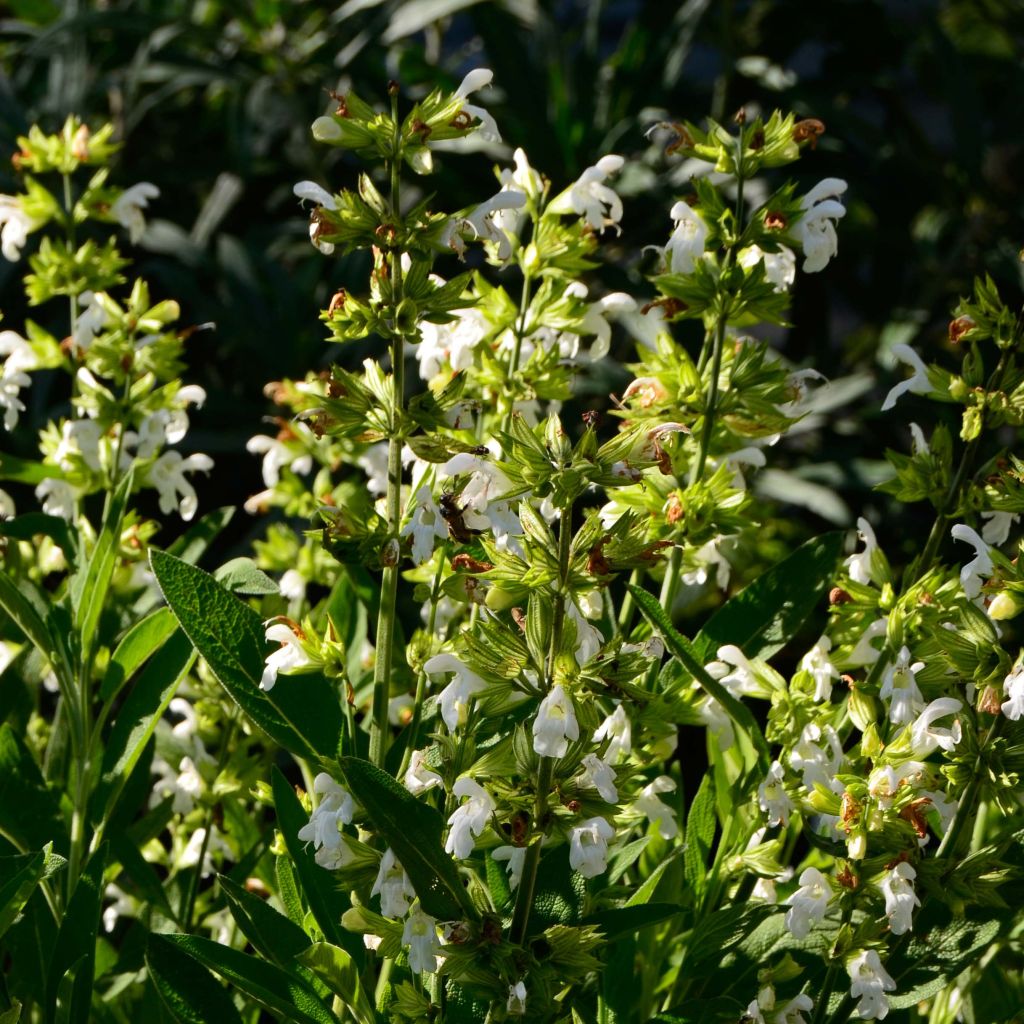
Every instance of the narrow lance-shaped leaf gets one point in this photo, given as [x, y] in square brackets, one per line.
[682, 649]
[189, 991]
[21, 875]
[413, 830]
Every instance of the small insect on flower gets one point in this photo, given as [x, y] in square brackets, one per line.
[454, 516]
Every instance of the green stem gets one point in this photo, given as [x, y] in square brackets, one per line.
[389, 583]
[70, 210]
[517, 347]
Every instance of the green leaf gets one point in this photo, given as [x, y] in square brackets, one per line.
[700, 833]
[339, 971]
[137, 718]
[24, 472]
[413, 830]
[620, 921]
[559, 895]
[28, 616]
[271, 933]
[138, 644]
[22, 874]
[763, 617]
[13, 1015]
[266, 984]
[326, 901]
[189, 991]
[89, 585]
[302, 714]
[74, 954]
[29, 810]
[650, 884]
[34, 524]
[683, 650]
[242, 576]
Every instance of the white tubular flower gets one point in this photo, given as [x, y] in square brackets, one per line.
[686, 243]
[89, 322]
[817, 764]
[485, 223]
[320, 197]
[656, 811]
[420, 935]
[996, 530]
[1013, 689]
[792, 1012]
[816, 229]
[475, 80]
[779, 267]
[452, 343]
[79, 438]
[336, 807]
[588, 638]
[869, 981]
[601, 776]
[516, 857]
[750, 456]
[276, 455]
[292, 585]
[900, 898]
[374, 463]
[980, 567]
[289, 658]
[469, 820]
[590, 198]
[17, 352]
[516, 1004]
[16, 225]
[555, 724]
[588, 847]
[128, 207]
[425, 527]
[393, 886]
[885, 780]
[708, 557]
[8, 511]
[455, 697]
[916, 384]
[859, 565]
[734, 671]
[864, 652]
[418, 777]
[809, 903]
[57, 497]
[899, 687]
[617, 730]
[524, 177]
[772, 797]
[817, 662]
[190, 855]
[925, 738]
[595, 320]
[11, 382]
[176, 492]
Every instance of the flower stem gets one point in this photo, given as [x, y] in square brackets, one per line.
[517, 347]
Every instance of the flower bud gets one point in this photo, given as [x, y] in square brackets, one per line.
[1006, 605]
[531, 260]
[870, 742]
[390, 553]
[862, 708]
[857, 845]
[498, 599]
[326, 129]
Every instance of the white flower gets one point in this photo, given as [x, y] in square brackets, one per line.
[420, 935]
[290, 657]
[772, 797]
[817, 764]
[885, 780]
[276, 455]
[817, 662]
[425, 527]
[734, 671]
[293, 585]
[705, 558]
[900, 899]
[899, 687]
[916, 384]
[315, 194]
[79, 438]
[121, 907]
[89, 322]
[418, 777]
[17, 352]
[925, 738]
[980, 567]
[601, 776]
[184, 785]
[864, 651]
[452, 343]
[516, 999]
[1013, 687]
[469, 820]
[555, 724]
[860, 565]
[7, 511]
[656, 811]
[809, 903]
[749, 456]
[590, 198]
[516, 857]
[483, 223]
[588, 847]
[16, 224]
[455, 697]
[524, 177]
[128, 207]
[816, 229]
[997, 530]
[176, 493]
[779, 267]
[336, 807]
[477, 79]
[686, 243]
[869, 981]
[57, 497]
[617, 730]
[482, 502]
[393, 886]
[588, 638]
[11, 383]
[595, 319]
[190, 855]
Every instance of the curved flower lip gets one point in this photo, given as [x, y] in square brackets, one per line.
[315, 194]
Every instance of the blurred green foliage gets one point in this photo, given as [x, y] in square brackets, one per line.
[213, 100]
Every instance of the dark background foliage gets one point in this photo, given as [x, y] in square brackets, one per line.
[213, 101]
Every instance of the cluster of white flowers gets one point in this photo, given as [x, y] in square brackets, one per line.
[335, 808]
